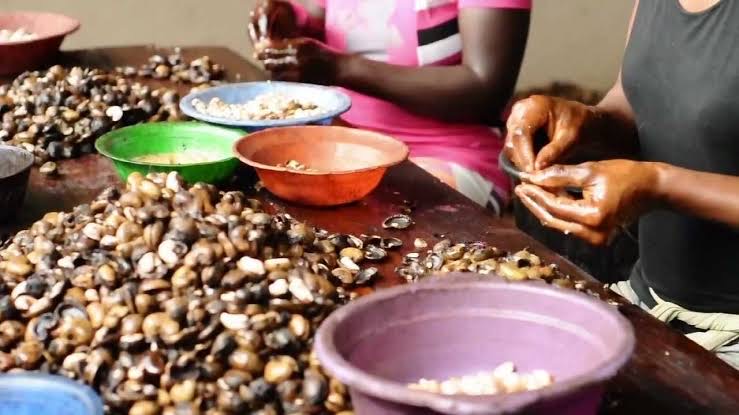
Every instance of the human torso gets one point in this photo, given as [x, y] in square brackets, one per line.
[681, 77]
[410, 33]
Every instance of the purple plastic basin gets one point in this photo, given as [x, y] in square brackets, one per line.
[462, 324]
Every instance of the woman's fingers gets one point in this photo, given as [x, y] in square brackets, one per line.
[564, 207]
[279, 63]
[519, 143]
[593, 236]
[270, 52]
[253, 35]
[281, 59]
[257, 34]
[287, 76]
[560, 144]
[278, 60]
[270, 20]
[279, 66]
[520, 148]
[527, 117]
[560, 176]
[259, 24]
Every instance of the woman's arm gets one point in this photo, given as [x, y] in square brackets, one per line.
[705, 195]
[493, 40]
[615, 132]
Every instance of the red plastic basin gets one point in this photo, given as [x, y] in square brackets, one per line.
[349, 163]
[51, 29]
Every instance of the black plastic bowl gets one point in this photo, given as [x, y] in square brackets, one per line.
[15, 168]
[507, 166]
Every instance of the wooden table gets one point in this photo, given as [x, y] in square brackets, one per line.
[668, 374]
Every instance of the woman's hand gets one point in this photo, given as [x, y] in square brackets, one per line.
[301, 60]
[615, 192]
[272, 20]
[564, 122]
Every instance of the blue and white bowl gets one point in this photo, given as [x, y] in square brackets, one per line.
[332, 100]
[35, 393]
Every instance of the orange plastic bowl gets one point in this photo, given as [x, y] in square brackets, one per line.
[348, 163]
[51, 28]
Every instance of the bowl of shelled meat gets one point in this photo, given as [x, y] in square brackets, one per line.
[258, 105]
[474, 345]
[30, 40]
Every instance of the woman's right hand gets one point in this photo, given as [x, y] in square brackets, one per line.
[563, 121]
[272, 20]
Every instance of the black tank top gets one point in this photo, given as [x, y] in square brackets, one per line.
[681, 77]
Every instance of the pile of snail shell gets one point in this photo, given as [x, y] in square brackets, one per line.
[478, 257]
[168, 299]
[58, 113]
[174, 67]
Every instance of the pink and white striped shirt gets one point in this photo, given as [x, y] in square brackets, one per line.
[414, 33]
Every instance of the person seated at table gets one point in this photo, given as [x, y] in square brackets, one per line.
[435, 74]
[667, 137]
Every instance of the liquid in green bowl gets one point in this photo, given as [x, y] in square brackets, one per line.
[173, 146]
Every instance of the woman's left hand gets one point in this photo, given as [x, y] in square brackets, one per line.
[301, 60]
[272, 19]
[614, 193]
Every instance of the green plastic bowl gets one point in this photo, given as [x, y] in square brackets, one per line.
[124, 145]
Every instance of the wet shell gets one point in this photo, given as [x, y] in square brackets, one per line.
[397, 221]
[374, 253]
[347, 263]
[366, 275]
[391, 243]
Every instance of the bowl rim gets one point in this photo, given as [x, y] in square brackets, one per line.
[345, 104]
[112, 135]
[379, 388]
[72, 26]
[507, 165]
[23, 167]
[403, 156]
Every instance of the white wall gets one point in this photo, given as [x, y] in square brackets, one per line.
[576, 40]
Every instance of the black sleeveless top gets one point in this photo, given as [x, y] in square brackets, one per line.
[681, 77]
